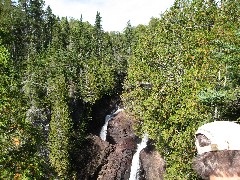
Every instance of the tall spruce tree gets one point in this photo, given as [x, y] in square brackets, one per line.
[98, 37]
[65, 32]
[35, 17]
[49, 21]
[60, 127]
[129, 38]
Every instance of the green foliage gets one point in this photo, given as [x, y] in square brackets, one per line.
[180, 71]
[49, 21]
[212, 97]
[67, 66]
[64, 33]
[60, 127]
[96, 80]
[173, 84]
[21, 142]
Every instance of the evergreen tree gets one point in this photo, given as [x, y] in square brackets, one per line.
[35, 17]
[13, 30]
[49, 21]
[21, 142]
[60, 127]
[97, 43]
[65, 31]
[128, 32]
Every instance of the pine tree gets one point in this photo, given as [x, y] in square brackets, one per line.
[97, 43]
[35, 17]
[49, 21]
[13, 30]
[60, 127]
[65, 32]
[129, 38]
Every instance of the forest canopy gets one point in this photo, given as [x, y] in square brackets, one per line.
[173, 75]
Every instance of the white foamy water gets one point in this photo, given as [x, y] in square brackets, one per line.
[103, 133]
[134, 174]
[118, 111]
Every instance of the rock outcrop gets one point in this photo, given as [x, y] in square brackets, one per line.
[121, 136]
[120, 129]
[92, 157]
[100, 109]
[152, 164]
[112, 159]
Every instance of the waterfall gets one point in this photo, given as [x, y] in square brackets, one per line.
[117, 111]
[134, 174]
[103, 133]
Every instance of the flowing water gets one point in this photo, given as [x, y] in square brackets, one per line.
[134, 174]
[103, 133]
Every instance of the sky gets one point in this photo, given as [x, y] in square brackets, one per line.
[115, 13]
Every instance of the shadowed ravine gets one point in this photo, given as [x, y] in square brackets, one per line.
[112, 157]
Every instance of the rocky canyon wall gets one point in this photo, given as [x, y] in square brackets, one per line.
[111, 159]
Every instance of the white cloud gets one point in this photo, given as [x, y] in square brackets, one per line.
[115, 13]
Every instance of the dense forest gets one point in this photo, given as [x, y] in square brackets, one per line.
[173, 75]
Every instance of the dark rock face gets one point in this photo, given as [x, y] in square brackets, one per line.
[152, 164]
[93, 156]
[112, 159]
[118, 165]
[105, 160]
[120, 129]
[101, 108]
[120, 134]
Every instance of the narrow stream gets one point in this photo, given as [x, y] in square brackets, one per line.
[134, 174]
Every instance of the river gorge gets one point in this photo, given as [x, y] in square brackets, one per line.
[111, 146]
